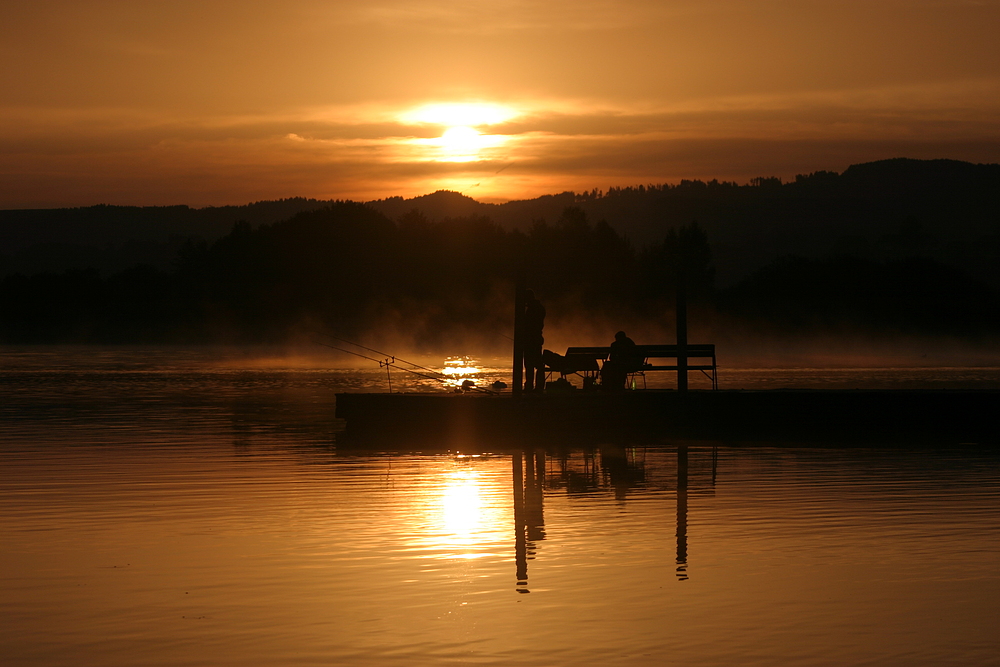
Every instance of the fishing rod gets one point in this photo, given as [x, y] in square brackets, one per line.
[386, 363]
[356, 354]
[344, 340]
[390, 360]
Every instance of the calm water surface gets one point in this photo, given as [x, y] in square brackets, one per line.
[179, 507]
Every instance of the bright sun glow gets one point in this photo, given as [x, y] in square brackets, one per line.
[462, 506]
[466, 114]
[461, 139]
[465, 144]
[459, 369]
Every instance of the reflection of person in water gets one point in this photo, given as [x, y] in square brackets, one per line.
[533, 322]
[623, 359]
[529, 517]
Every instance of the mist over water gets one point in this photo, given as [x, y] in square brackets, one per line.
[188, 506]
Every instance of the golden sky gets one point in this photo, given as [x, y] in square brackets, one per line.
[226, 102]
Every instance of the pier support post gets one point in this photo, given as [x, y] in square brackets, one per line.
[682, 334]
[517, 383]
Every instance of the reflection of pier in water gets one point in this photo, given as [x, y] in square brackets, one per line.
[594, 471]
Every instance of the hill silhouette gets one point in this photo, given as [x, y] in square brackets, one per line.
[348, 268]
[945, 210]
[436, 206]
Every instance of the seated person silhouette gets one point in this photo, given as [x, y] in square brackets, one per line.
[623, 359]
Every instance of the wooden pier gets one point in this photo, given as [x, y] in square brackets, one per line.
[469, 421]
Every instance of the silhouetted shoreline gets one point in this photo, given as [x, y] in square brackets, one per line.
[889, 249]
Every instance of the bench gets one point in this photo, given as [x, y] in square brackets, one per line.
[655, 354]
[583, 361]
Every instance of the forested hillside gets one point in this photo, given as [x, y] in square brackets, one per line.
[349, 269]
[945, 210]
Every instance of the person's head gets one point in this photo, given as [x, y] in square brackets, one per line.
[529, 294]
[620, 335]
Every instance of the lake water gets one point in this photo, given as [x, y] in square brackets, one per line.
[190, 507]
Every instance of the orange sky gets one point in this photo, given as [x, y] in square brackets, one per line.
[225, 102]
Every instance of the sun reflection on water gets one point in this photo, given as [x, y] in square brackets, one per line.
[460, 369]
[461, 508]
[462, 515]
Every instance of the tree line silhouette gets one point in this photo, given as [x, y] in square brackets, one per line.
[347, 267]
[879, 211]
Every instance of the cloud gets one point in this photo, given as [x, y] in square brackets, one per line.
[226, 171]
[213, 101]
[505, 16]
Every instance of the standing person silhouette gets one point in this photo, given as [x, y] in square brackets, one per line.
[533, 322]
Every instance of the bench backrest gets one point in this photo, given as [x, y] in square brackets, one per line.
[592, 352]
[670, 351]
[647, 351]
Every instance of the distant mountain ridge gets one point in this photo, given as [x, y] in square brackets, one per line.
[946, 209]
[104, 223]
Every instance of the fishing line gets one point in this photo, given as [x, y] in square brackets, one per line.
[390, 360]
[344, 340]
[380, 362]
[386, 363]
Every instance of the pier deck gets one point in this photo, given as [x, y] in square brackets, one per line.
[845, 417]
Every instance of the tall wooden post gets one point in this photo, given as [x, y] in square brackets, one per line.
[682, 334]
[517, 383]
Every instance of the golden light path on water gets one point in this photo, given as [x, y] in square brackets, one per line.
[171, 507]
[460, 369]
[461, 513]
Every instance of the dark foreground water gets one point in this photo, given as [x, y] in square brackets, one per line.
[174, 507]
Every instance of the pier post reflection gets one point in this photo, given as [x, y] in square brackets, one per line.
[528, 472]
[682, 501]
[520, 550]
[615, 468]
[715, 463]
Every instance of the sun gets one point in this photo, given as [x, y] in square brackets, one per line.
[462, 143]
[460, 138]
[459, 114]
[462, 124]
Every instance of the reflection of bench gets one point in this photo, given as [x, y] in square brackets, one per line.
[583, 361]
